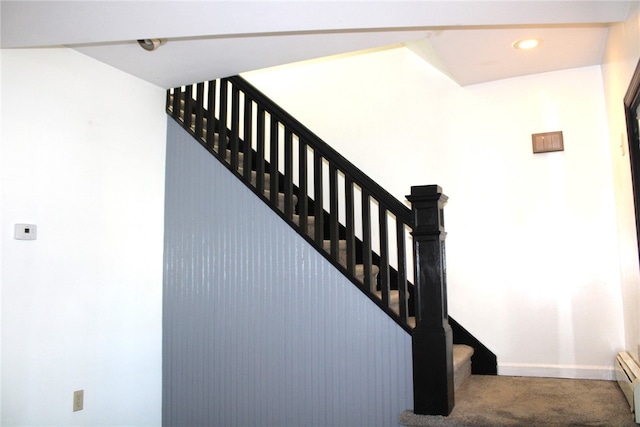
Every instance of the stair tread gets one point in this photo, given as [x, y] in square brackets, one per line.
[311, 224]
[254, 178]
[394, 296]
[461, 364]
[342, 250]
[267, 194]
[360, 268]
[310, 219]
[394, 299]
[359, 273]
[461, 354]
[342, 245]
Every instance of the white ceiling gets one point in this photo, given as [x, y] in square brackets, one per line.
[468, 40]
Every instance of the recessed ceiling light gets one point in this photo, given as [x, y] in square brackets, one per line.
[526, 44]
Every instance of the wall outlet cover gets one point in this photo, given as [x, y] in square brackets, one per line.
[78, 400]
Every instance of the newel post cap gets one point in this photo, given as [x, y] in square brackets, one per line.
[426, 192]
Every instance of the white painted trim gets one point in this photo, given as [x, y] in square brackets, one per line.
[585, 372]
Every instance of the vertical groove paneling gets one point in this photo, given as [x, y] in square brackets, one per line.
[258, 328]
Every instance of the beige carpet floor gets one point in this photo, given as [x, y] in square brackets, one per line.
[493, 401]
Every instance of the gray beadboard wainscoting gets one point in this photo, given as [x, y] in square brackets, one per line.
[258, 328]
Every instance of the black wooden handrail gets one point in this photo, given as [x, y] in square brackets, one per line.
[262, 145]
[326, 150]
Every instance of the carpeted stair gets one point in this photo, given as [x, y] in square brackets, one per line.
[461, 364]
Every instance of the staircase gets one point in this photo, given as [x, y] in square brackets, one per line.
[360, 228]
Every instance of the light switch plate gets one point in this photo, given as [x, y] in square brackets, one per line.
[26, 232]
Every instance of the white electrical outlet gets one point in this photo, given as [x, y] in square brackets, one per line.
[78, 400]
[26, 231]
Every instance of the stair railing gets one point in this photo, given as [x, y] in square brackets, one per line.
[390, 252]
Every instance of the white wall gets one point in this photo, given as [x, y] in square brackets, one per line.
[621, 57]
[532, 248]
[82, 156]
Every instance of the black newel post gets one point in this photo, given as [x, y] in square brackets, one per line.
[432, 337]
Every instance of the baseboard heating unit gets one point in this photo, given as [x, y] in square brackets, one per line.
[628, 377]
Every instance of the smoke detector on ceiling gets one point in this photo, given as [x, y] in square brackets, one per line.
[151, 44]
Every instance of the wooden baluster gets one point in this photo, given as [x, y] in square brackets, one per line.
[350, 224]
[177, 95]
[169, 101]
[273, 161]
[317, 197]
[303, 198]
[366, 241]
[402, 270]
[211, 116]
[235, 127]
[248, 136]
[383, 275]
[333, 211]
[288, 173]
[222, 123]
[188, 105]
[199, 107]
[260, 154]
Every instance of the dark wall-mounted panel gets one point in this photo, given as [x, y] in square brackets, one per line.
[547, 141]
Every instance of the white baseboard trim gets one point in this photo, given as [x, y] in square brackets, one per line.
[583, 372]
